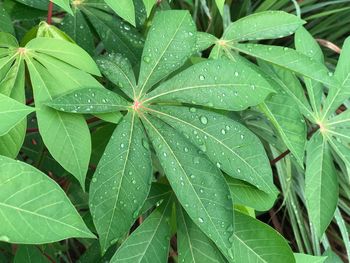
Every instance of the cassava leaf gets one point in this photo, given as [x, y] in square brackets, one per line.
[121, 182]
[256, 242]
[228, 144]
[124, 8]
[235, 88]
[119, 71]
[263, 25]
[321, 184]
[149, 5]
[170, 42]
[246, 194]
[64, 4]
[150, 241]
[92, 100]
[303, 258]
[197, 183]
[29, 254]
[11, 113]
[33, 208]
[193, 245]
[5, 21]
[290, 59]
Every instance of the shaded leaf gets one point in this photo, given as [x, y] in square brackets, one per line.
[303, 258]
[29, 254]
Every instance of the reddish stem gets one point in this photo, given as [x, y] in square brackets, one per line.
[278, 158]
[49, 13]
[32, 130]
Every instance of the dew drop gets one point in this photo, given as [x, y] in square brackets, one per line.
[200, 220]
[201, 77]
[146, 59]
[204, 120]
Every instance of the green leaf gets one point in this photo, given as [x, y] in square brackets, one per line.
[321, 184]
[339, 127]
[204, 41]
[119, 71]
[91, 100]
[116, 35]
[306, 44]
[11, 113]
[33, 208]
[5, 21]
[290, 59]
[121, 182]
[29, 254]
[124, 8]
[302, 258]
[50, 31]
[256, 242]
[263, 25]
[158, 193]
[228, 144]
[7, 40]
[64, 4]
[150, 241]
[237, 87]
[198, 184]
[193, 245]
[73, 151]
[149, 5]
[290, 124]
[337, 95]
[220, 5]
[170, 42]
[65, 51]
[78, 29]
[343, 230]
[246, 194]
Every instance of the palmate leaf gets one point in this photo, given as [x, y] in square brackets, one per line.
[119, 71]
[73, 153]
[124, 8]
[64, 4]
[257, 242]
[29, 254]
[306, 44]
[91, 100]
[11, 113]
[263, 25]
[339, 126]
[228, 144]
[193, 245]
[303, 258]
[150, 241]
[121, 182]
[198, 184]
[289, 59]
[33, 208]
[170, 42]
[337, 95]
[321, 184]
[236, 87]
[248, 195]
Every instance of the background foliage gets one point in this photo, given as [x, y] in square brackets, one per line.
[180, 131]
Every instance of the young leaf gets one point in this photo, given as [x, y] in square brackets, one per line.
[290, 59]
[235, 88]
[124, 8]
[64, 4]
[92, 100]
[256, 242]
[169, 43]
[65, 51]
[197, 183]
[119, 71]
[193, 245]
[337, 95]
[11, 113]
[33, 208]
[263, 25]
[230, 145]
[121, 182]
[150, 241]
[246, 194]
[321, 184]
[306, 44]
[149, 5]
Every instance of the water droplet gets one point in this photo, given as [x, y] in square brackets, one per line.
[204, 120]
[193, 110]
[242, 136]
[133, 181]
[200, 220]
[201, 77]
[146, 59]
[223, 131]
[94, 180]
[218, 165]
[186, 149]
[236, 73]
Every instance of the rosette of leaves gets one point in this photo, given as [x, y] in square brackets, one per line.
[169, 112]
[288, 70]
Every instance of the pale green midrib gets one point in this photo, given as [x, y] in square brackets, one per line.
[121, 179]
[183, 170]
[209, 135]
[162, 54]
[187, 235]
[249, 248]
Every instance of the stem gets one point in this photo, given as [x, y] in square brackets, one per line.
[49, 13]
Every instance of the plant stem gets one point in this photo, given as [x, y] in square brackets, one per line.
[49, 13]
